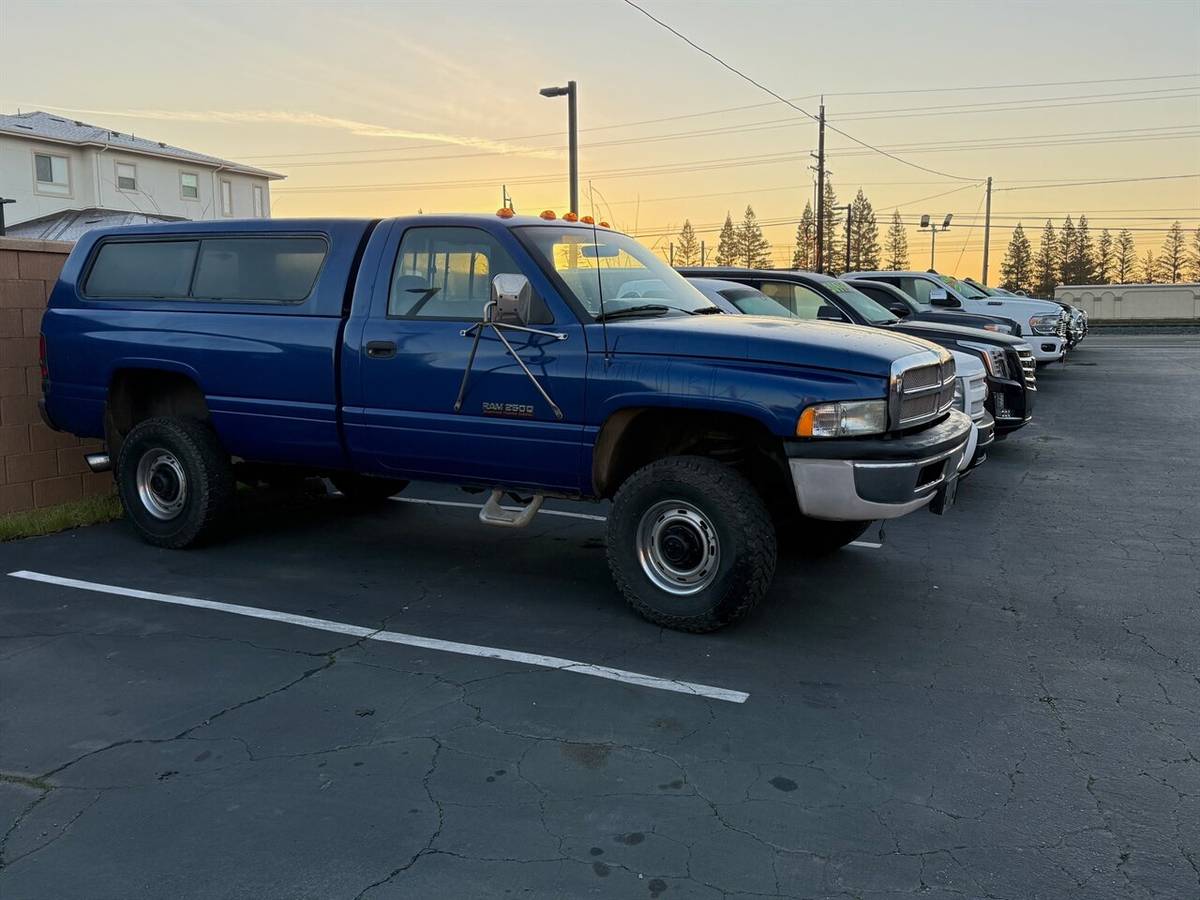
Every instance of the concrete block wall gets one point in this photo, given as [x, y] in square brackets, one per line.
[38, 467]
[1134, 302]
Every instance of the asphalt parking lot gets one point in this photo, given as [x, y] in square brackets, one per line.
[1001, 702]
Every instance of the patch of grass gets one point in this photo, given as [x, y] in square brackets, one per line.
[34, 522]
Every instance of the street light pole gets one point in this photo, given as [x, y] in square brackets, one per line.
[933, 230]
[572, 136]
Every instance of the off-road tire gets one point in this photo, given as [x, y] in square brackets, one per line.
[209, 481]
[742, 525]
[364, 491]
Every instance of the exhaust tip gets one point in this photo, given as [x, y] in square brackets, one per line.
[98, 462]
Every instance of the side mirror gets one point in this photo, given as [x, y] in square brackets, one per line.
[512, 299]
[939, 297]
[830, 314]
[899, 310]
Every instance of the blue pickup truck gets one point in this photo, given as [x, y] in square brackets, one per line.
[528, 356]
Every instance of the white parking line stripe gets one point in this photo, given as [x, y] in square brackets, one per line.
[460, 504]
[869, 545]
[408, 640]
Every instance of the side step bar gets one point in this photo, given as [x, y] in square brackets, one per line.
[492, 513]
[98, 462]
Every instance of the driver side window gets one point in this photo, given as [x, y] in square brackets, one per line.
[803, 301]
[445, 273]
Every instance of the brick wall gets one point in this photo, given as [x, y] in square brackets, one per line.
[38, 467]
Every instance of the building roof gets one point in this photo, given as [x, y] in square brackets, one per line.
[63, 130]
[69, 224]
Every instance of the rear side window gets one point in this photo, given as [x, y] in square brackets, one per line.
[144, 269]
[282, 269]
[274, 269]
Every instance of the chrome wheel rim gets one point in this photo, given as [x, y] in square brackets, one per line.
[161, 484]
[678, 548]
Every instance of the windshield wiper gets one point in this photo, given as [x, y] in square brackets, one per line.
[706, 311]
[642, 309]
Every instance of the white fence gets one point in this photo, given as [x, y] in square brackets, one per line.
[1117, 302]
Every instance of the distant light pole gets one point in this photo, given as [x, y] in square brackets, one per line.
[572, 136]
[933, 230]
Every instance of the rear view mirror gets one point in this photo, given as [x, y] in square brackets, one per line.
[512, 299]
[599, 251]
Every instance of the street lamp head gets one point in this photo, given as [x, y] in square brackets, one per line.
[553, 92]
[925, 221]
[946, 224]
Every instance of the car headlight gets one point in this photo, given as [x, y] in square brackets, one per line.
[1044, 324]
[993, 358]
[960, 394]
[997, 327]
[845, 419]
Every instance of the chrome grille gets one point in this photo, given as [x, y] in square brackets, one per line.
[923, 392]
[1028, 367]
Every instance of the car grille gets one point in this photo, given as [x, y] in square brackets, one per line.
[924, 393]
[976, 395]
[1062, 325]
[1028, 367]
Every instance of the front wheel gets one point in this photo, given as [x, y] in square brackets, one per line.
[175, 480]
[690, 544]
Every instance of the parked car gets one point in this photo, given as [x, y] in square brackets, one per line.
[527, 356]
[1077, 319]
[970, 389]
[1012, 379]
[903, 306]
[1042, 323]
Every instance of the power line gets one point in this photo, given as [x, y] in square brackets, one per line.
[1036, 187]
[784, 100]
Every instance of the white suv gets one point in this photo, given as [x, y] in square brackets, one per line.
[1043, 324]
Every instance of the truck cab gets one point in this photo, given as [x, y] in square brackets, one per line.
[1043, 324]
[528, 357]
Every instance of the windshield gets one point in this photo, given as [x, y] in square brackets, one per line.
[962, 288]
[756, 303]
[613, 267]
[862, 304]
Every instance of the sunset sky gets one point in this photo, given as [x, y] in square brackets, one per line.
[388, 108]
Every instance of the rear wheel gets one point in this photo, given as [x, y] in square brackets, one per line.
[175, 481]
[364, 491]
[690, 544]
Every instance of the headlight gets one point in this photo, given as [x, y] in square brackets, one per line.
[1044, 324]
[997, 327]
[993, 358]
[960, 394]
[846, 419]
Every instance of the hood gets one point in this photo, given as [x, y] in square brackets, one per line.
[823, 345]
[1022, 306]
[941, 331]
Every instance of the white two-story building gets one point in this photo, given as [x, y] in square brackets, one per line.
[67, 177]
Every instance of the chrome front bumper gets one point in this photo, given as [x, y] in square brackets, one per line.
[875, 486]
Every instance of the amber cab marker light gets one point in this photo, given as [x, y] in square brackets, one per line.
[504, 213]
[604, 224]
[588, 220]
[570, 217]
[548, 214]
[804, 428]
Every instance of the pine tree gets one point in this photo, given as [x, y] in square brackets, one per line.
[804, 257]
[835, 245]
[1083, 259]
[1150, 268]
[864, 235]
[1016, 272]
[1066, 253]
[1174, 254]
[1196, 254]
[896, 247]
[1126, 258]
[687, 247]
[1045, 264]
[1104, 258]
[753, 250]
[727, 243]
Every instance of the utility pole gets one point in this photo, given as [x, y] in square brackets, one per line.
[849, 214]
[987, 229]
[506, 201]
[821, 190]
[671, 256]
[702, 253]
[572, 136]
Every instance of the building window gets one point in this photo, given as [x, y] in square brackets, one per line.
[52, 174]
[189, 185]
[226, 198]
[126, 177]
[258, 202]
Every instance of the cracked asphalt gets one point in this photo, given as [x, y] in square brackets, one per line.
[1003, 702]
